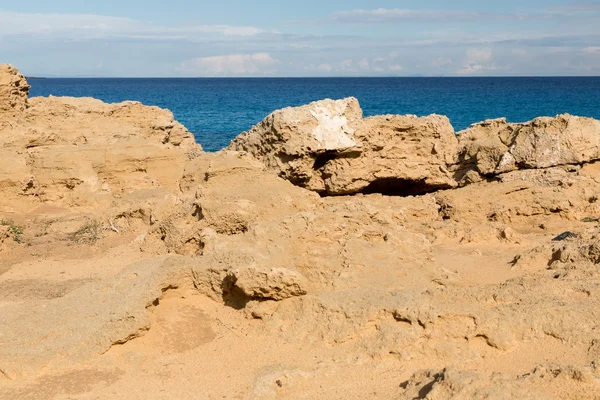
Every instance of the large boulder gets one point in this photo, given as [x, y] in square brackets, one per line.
[327, 147]
[294, 141]
[13, 91]
[493, 147]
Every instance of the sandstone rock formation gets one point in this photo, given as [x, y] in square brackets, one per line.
[75, 150]
[13, 92]
[130, 259]
[495, 146]
[327, 147]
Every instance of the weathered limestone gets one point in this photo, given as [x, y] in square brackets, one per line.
[277, 292]
[495, 146]
[290, 141]
[13, 92]
[81, 151]
[327, 147]
[544, 382]
[403, 155]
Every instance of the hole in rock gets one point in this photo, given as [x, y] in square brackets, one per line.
[197, 212]
[323, 159]
[236, 298]
[400, 187]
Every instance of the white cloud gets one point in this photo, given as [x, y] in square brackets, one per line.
[300, 46]
[471, 69]
[393, 15]
[479, 55]
[477, 61]
[91, 26]
[519, 52]
[592, 50]
[558, 49]
[234, 64]
[325, 67]
[73, 45]
[320, 68]
[12, 23]
[345, 65]
[390, 15]
[577, 9]
[364, 66]
[235, 30]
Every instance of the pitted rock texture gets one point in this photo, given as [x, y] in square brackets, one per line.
[13, 92]
[289, 141]
[131, 263]
[495, 146]
[327, 147]
[400, 155]
[76, 151]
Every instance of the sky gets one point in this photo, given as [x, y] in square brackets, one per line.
[262, 38]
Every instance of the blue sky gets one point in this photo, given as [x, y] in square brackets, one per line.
[135, 38]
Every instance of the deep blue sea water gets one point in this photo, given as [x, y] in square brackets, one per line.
[217, 110]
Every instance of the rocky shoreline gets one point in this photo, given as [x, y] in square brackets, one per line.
[320, 255]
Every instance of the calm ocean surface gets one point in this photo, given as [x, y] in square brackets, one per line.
[217, 110]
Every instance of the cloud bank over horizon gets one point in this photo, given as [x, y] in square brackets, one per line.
[519, 39]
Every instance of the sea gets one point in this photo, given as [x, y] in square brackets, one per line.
[217, 110]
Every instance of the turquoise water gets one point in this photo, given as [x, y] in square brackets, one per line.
[217, 110]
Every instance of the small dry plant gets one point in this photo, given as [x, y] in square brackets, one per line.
[88, 233]
[15, 230]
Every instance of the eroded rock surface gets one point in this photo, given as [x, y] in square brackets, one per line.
[327, 147]
[130, 259]
[274, 283]
[494, 147]
[75, 151]
[14, 91]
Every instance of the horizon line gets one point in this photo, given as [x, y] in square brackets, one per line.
[313, 77]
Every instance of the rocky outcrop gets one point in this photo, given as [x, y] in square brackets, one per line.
[494, 147]
[13, 92]
[327, 147]
[125, 248]
[82, 151]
